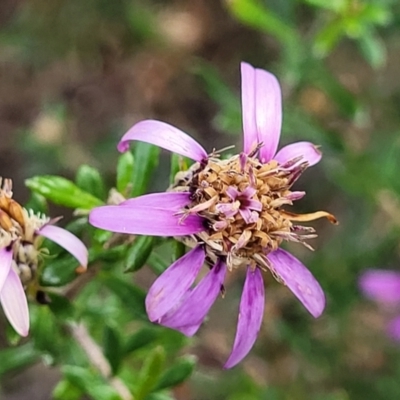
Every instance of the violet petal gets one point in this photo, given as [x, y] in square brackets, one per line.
[299, 280]
[15, 305]
[251, 312]
[381, 285]
[250, 135]
[66, 240]
[261, 111]
[165, 136]
[145, 221]
[171, 285]
[6, 256]
[393, 328]
[166, 200]
[307, 150]
[190, 315]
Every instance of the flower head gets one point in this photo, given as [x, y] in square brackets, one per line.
[21, 233]
[229, 211]
[383, 286]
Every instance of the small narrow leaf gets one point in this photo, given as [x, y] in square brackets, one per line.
[138, 253]
[124, 172]
[146, 160]
[140, 339]
[17, 357]
[62, 191]
[90, 180]
[150, 373]
[112, 347]
[178, 373]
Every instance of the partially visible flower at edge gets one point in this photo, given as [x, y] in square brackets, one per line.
[21, 233]
[230, 213]
[383, 286]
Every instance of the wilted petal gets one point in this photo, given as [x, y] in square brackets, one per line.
[299, 280]
[6, 256]
[308, 151]
[163, 135]
[166, 200]
[261, 111]
[190, 315]
[145, 221]
[171, 285]
[14, 303]
[66, 240]
[381, 285]
[251, 312]
[393, 328]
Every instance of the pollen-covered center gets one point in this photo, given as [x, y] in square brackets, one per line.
[241, 200]
[18, 229]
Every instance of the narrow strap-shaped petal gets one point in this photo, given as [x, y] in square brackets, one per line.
[308, 151]
[268, 113]
[66, 240]
[171, 285]
[251, 311]
[6, 255]
[15, 305]
[165, 136]
[381, 285]
[145, 221]
[250, 134]
[393, 328]
[189, 316]
[262, 111]
[299, 280]
[166, 200]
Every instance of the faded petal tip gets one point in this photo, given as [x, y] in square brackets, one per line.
[66, 240]
[251, 312]
[165, 136]
[14, 303]
[299, 280]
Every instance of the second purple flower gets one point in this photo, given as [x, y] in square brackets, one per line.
[230, 212]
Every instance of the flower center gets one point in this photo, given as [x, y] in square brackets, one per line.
[241, 200]
[18, 228]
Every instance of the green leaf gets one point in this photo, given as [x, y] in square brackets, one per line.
[332, 5]
[65, 390]
[131, 296]
[124, 172]
[138, 253]
[60, 306]
[157, 263]
[253, 13]
[58, 272]
[178, 373]
[17, 357]
[140, 339]
[62, 191]
[146, 160]
[373, 49]
[150, 373]
[89, 383]
[112, 347]
[90, 180]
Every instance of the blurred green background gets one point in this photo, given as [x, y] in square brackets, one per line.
[74, 75]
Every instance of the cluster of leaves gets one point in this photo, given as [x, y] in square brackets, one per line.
[105, 299]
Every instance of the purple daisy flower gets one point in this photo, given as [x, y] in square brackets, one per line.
[383, 286]
[20, 254]
[229, 211]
